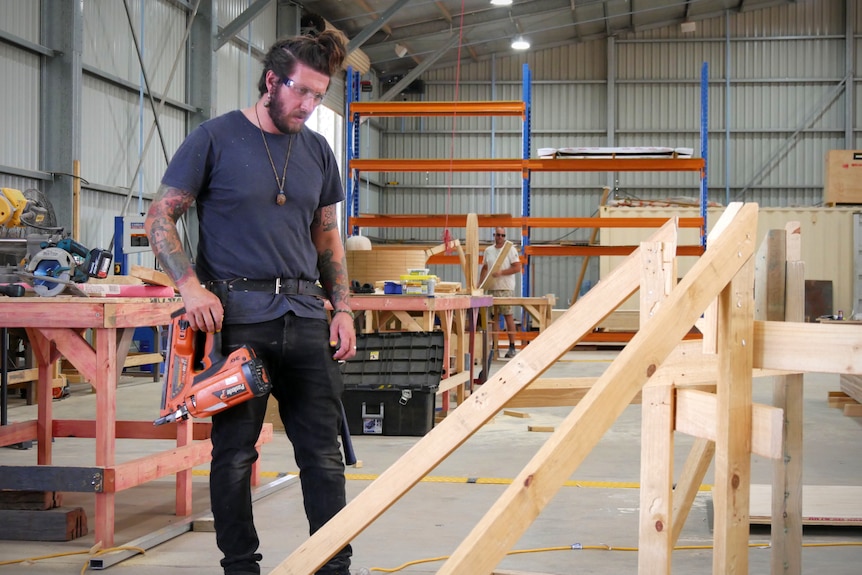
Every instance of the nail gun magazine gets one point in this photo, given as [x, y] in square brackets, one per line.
[200, 381]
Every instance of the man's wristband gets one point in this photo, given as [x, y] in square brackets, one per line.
[342, 310]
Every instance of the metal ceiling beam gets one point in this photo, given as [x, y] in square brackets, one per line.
[474, 19]
[369, 31]
[240, 22]
[417, 71]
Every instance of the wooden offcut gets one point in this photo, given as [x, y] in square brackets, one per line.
[151, 276]
[58, 524]
[851, 386]
[30, 500]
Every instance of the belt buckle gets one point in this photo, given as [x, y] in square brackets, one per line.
[277, 286]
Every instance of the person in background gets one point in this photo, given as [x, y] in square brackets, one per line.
[266, 187]
[502, 282]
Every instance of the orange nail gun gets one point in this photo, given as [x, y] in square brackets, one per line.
[200, 381]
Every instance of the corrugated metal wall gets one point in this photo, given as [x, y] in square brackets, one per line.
[776, 105]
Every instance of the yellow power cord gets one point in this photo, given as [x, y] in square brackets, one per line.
[579, 547]
[574, 547]
[95, 551]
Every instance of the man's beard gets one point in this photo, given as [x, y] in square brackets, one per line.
[278, 117]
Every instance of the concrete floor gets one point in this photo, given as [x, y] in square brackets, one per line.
[434, 517]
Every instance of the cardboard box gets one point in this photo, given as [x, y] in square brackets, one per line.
[843, 177]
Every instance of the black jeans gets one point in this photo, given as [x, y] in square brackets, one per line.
[307, 383]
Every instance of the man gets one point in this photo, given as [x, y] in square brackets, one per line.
[502, 282]
[266, 188]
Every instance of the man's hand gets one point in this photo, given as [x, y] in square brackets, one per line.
[203, 308]
[342, 335]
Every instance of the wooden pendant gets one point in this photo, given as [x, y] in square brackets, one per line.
[280, 199]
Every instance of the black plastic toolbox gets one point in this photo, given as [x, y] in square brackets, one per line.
[390, 386]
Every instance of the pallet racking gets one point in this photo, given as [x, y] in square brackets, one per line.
[355, 110]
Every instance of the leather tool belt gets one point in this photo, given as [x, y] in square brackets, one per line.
[273, 286]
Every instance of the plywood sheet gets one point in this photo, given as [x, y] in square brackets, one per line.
[821, 505]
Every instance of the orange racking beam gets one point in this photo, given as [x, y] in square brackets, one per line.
[507, 221]
[438, 165]
[526, 166]
[432, 221]
[396, 109]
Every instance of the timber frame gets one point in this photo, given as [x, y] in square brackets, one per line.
[699, 387]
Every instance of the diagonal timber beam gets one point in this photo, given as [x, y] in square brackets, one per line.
[464, 421]
[559, 457]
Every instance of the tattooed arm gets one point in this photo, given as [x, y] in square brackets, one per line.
[203, 309]
[332, 266]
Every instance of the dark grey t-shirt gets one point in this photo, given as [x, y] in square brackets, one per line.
[243, 232]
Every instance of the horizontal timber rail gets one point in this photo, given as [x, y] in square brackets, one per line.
[526, 166]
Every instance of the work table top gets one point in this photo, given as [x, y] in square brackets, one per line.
[377, 302]
[81, 312]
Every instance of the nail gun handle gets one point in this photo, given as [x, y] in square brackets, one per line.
[212, 352]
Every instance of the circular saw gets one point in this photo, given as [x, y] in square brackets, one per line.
[51, 270]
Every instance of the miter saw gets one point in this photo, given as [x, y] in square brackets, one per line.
[43, 255]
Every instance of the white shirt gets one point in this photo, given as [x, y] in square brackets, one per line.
[502, 282]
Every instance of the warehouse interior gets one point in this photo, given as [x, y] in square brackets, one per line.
[689, 168]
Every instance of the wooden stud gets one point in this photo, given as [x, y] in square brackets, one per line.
[769, 277]
[733, 435]
[512, 413]
[472, 252]
[657, 425]
[786, 524]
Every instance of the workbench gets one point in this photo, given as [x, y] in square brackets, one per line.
[422, 313]
[537, 311]
[60, 326]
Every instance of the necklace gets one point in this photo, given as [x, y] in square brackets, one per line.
[280, 198]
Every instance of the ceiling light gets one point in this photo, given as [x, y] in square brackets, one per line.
[501, 2]
[520, 43]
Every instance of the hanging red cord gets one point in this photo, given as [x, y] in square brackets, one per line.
[447, 235]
